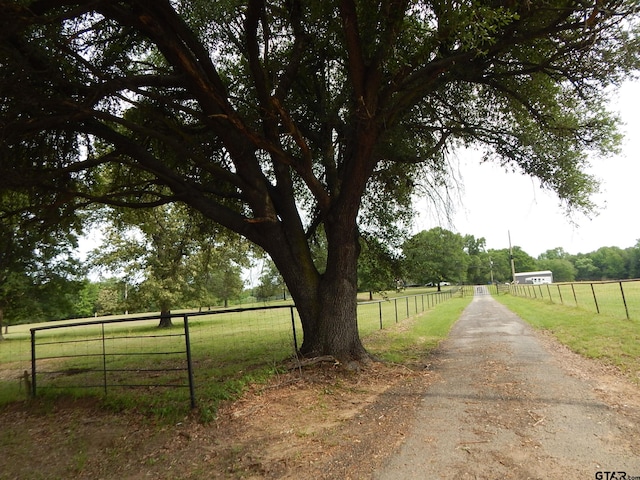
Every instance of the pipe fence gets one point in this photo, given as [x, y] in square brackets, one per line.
[620, 298]
[108, 354]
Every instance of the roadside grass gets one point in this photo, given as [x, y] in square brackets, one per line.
[612, 340]
[411, 339]
[592, 296]
[229, 351]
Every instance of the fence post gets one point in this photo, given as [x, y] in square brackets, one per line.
[594, 298]
[575, 299]
[560, 295]
[380, 313]
[549, 292]
[407, 302]
[415, 301]
[104, 360]
[187, 341]
[624, 300]
[33, 363]
[395, 303]
[293, 328]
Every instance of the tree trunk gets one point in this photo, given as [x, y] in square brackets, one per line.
[165, 319]
[329, 316]
[336, 330]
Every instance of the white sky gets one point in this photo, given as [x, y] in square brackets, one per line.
[494, 203]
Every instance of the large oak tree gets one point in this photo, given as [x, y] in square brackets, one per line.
[275, 118]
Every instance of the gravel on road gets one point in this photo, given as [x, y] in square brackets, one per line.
[508, 404]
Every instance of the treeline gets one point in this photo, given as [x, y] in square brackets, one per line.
[59, 297]
[174, 265]
[440, 255]
[148, 260]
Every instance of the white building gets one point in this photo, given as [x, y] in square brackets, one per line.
[535, 278]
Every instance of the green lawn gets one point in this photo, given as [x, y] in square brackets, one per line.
[607, 297]
[229, 350]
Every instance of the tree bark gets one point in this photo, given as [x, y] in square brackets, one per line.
[327, 303]
[165, 319]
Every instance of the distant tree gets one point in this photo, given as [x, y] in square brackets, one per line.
[479, 263]
[585, 268]
[215, 271]
[611, 262]
[434, 256]
[271, 283]
[523, 262]
[634, 260]
[111, 298]
[557, 253]
[563, 269]
[147, 249]
[500, 264]
[378, 268]
[37, 267]
[87, 301]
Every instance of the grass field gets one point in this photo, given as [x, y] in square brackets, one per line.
[606, 297]
[229, 350]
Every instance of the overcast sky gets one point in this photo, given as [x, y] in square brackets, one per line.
[494, 203]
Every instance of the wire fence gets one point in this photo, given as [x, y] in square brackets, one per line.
[620, 298]
[98, 354]
[108, 354]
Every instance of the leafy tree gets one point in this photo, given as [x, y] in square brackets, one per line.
[275, 118]
[501, 259]
[435, 256]
[560, 263]
[37, 268]
[585, 268]
[271, 283]
[634, 261]
[378, 268]
[523, 261]
[500, 264]
[562, 268]
[110, 298]
[216, 270]
[168, 257]
[612, 263]
[87, 301]
[479, 263]
[557, 253]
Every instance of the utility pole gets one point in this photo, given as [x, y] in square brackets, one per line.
[491, 269]
[513, 267]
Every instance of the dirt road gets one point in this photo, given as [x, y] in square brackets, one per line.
[506, 406]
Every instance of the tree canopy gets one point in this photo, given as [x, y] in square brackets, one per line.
[169, 256]
[36, 259]
[435, 256]
[275, 118]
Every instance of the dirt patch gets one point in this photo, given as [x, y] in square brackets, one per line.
[321, 422]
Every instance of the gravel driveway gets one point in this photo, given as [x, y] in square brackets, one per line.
[507, 404]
